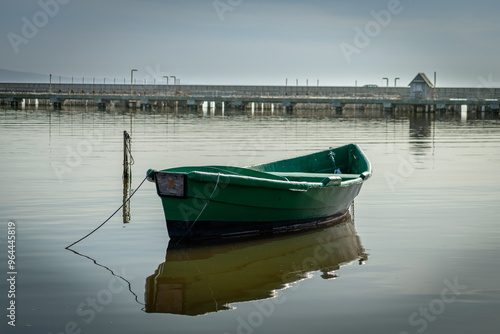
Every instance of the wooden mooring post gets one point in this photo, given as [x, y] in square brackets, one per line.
[126, 153]
[128, 160]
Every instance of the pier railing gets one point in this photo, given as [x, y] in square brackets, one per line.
[242, 91]
[288, 96]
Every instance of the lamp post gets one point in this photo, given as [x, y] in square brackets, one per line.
[396, 82]
[387, 79]
[166, 89]
[435, 95]
[175, 81]
[132, 80]
[50, 84]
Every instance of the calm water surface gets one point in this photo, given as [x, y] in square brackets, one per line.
[418, 255]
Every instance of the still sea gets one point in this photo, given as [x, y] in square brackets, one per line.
[419, 253]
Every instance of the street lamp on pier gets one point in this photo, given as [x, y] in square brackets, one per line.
[396, 82]
[387, 79]
[166, 89]
[175, 81]
[132, 80]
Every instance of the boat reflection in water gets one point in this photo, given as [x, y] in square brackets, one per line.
[201, 279]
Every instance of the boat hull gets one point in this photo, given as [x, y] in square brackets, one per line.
[178, 229]
[287, 195]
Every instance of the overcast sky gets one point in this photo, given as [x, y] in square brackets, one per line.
[255, 41]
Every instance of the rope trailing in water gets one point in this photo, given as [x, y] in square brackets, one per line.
[98, 227]
[112, 273]
[190, 227]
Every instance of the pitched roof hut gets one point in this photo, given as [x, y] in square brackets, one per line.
[421, 87]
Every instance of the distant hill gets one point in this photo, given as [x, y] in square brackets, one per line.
[15, 76]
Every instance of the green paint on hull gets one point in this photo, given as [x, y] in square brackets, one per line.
[291, 190]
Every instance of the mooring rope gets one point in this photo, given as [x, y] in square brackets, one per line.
[203, 209]
[121, 206]
[112, 273]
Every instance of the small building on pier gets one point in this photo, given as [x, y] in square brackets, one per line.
[421, 88]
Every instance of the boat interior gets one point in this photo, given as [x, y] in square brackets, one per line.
[346, 162]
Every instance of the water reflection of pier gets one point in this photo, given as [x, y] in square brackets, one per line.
[204, 279]
[421, 130]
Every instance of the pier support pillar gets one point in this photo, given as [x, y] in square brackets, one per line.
[132, 104]
[56, 102]
[289, 106]
[339, 107]
[146, 104]
[193, 104]
[170, 104]
[441, 107]
[267, 106]
[14, 102]
[419, 107]
[235, 104]
[101, 104]
[387, 106]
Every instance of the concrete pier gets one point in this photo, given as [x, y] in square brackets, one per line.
[244, 97]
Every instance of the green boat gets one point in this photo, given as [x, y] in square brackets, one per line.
[287, 195]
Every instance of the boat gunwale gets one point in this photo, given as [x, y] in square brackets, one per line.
[287, 184]
[251, 181]
[276, 179]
